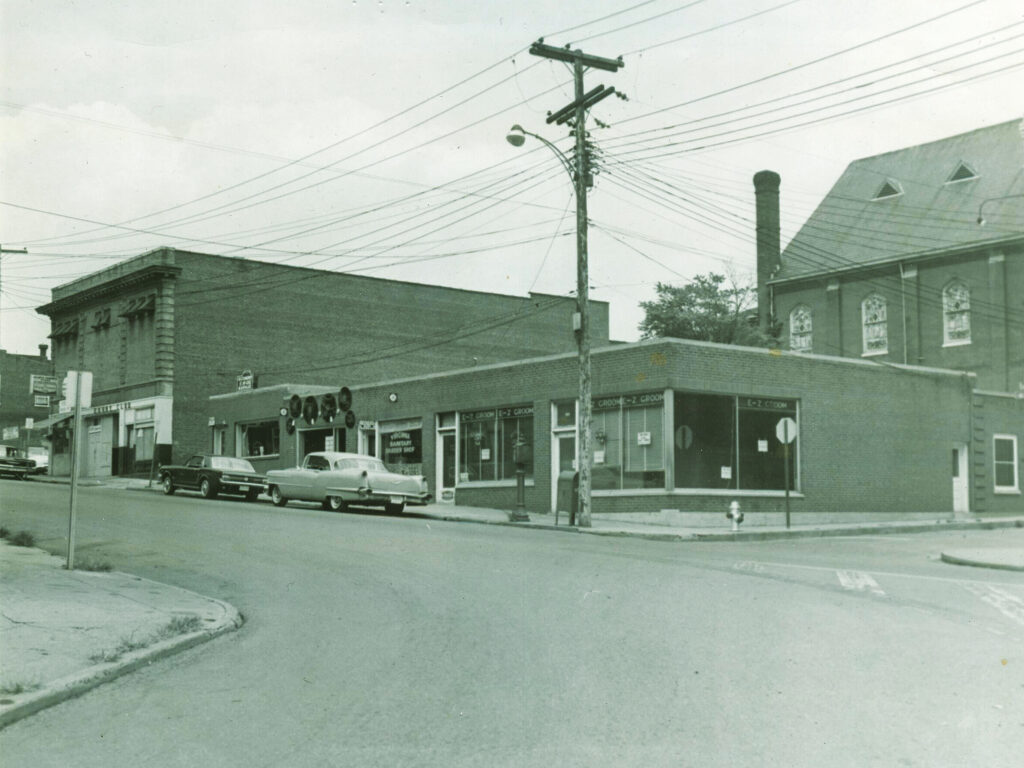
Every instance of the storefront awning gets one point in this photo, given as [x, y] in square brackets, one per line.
[47, 424]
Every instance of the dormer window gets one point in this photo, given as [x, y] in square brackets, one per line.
[963, 172]
[891, 188]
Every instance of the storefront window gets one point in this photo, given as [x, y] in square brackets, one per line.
[487, 439]
[705, 440]
[725, 442]
[259, 439]
[762, 459]
[629, 446]
[402, 446]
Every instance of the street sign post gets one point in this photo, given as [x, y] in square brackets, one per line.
[785, 430]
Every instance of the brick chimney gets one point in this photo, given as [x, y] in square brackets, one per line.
[42, 350]
[766, 193]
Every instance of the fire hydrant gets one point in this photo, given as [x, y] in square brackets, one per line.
[735, 515]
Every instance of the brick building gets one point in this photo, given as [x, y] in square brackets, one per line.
[27, 387]
[916, 256]
[163, 331]
[678, 425]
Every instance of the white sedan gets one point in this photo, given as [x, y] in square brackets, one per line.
[338, 479]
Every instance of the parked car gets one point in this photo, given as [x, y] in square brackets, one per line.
[211, 475]
[16, 466]
[339, 479]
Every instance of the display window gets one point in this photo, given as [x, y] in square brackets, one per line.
[401, 445]
[262, 438]
[487, 441]
[728, 442]
[628, 442]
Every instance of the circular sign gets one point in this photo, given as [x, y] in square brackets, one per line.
[350, 419]
[785, 430]
[344, 399]
[295, 406]
[310, 410]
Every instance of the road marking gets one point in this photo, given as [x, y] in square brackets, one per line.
[748, 565]
[859, 581]
[895, 574]
[1011, 606]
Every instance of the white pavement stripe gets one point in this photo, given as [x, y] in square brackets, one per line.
[1011, 606]
[859, 581]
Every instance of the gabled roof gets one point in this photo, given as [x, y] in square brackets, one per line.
[916, 202]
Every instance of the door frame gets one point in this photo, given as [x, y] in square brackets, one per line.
[961, 481]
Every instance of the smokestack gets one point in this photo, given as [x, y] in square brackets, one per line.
[42, 350]
[766, 193]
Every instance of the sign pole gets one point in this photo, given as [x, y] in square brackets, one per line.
[75, 459]
[785, 453]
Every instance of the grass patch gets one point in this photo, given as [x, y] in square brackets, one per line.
[4, 532]
[179, 625]
[93, 565]
[21, 686]
[22, 539]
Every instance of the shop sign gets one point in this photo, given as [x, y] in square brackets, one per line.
[767, 404]
[39, 384]
[110, 408]
[487, 415]
[628, 401]
[246, 381]
[643, 438]
[41, 401]
[521, 410]
[10, 433]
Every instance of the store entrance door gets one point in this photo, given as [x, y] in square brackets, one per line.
[564, 460]
[446, 470]
[961, 497]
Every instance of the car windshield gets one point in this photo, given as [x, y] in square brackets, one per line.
[226, 462]
[375, 465]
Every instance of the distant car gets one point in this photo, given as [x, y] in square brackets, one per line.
[211, 475]
[16, 466]
[339, 479]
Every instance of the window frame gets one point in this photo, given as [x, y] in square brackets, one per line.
[242, 438]
[808, 332]
[948, 311]
[1014, 464]
[866, 324]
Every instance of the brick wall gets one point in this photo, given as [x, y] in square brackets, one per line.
[873, 439]
[996, 282]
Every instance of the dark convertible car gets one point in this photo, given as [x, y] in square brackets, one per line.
[211, 475]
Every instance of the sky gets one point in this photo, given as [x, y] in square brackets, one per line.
[368, 136]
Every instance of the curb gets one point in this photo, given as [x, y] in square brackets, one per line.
[954, 560]
[975, 525]
[79, 683]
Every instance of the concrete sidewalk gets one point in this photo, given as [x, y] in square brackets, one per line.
[64, 632]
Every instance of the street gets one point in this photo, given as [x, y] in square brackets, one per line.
[375, 640]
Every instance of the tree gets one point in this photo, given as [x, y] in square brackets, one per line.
[706, 309]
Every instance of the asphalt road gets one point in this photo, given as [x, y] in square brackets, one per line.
[390, 641]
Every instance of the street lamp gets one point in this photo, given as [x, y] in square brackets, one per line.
[981, 216]
[581, 320]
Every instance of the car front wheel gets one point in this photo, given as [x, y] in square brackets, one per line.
[336, 504]
[168, 485]
[251, 495]
[277, 497]
[206, 488]
[394, 509]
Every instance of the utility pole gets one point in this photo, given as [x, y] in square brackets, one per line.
[2, 252]
[578, 110]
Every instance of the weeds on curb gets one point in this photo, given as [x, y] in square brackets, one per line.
[93, 565]
[4, 532]
[23, 539]
[179, 625]
[13, 689]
